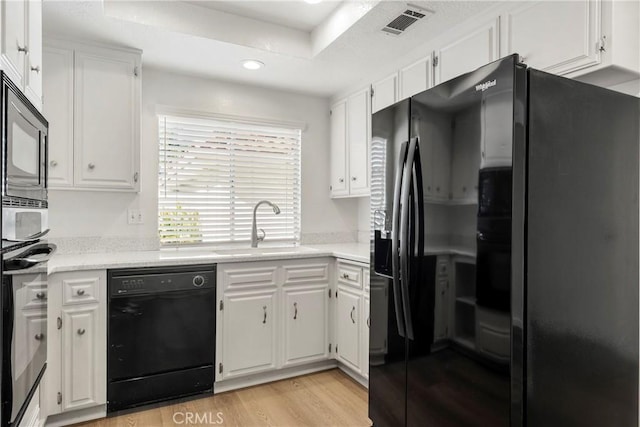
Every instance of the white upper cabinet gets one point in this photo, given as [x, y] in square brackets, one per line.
[467, 53]
[95, 119]
[21, 36]
[558, 37]
[339, 150]
[596, 40]
[358, 135]
[415, 78]
[58, 86]
[350, 135]
[33, 72]
[106, 119]
[385, 92]
[14, 39]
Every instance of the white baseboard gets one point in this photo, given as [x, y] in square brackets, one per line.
[77, 416]
[267, 377]
[364, 381]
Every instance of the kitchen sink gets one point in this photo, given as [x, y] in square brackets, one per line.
[281, 250]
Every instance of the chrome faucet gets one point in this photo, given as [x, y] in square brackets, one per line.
[254, 229]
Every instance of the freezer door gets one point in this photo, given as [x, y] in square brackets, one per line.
[387, 345]
[582, 255]
[458, 359]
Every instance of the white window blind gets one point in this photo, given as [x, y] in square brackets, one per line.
[213, 172]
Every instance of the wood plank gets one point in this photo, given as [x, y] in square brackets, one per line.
[328, 398]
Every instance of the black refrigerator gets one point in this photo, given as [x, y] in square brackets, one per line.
[504, 261]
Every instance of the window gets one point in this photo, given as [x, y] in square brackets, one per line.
[213, 172]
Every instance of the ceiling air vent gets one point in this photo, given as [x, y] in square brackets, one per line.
[407, 18]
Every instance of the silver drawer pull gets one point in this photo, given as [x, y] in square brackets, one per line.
[80, 292]
[39, 337]
[353, 309]
[53, 163]
[92, 166]
[295, 308]
[81, 331]
[345, 276]
[41, 295]
[264, 309]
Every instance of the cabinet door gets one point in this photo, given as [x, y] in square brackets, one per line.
[365, 326]
[468, 53]
[348, 328]
[358, 142]
[58, 109]
[385, 93]
[14, 44]
[33, 88]
[106, 119]
[306, 332]
[83, 357]
[249, 334]
[558, 37]
[339, 149]
[415, 78]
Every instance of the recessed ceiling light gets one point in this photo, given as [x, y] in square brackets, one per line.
[252, 64]
[312, 1]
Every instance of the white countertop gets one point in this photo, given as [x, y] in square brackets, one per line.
[358, 252]
[97, 261]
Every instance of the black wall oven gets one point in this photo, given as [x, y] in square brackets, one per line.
[23, 297]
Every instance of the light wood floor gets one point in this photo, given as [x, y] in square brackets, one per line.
[328, 398]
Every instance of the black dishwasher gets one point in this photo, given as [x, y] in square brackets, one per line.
[161, 334]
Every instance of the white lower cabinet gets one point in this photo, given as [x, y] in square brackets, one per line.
[306, 332]
[272, 315]
[352, 321]
[76, 377]
[249, 344]
[81, 344]
[348, 328]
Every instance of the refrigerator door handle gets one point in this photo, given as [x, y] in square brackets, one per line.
[395, 240]
[404, 236]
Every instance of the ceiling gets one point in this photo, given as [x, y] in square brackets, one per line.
[318, 49]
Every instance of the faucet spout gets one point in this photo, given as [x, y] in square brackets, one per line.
[254, 228]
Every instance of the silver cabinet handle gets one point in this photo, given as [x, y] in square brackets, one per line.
[80, 292]
[36, 68]
[53, 163]
[345, 275]
[369, 322]
[24, 49]
[92, 166]
[81, 331]
[59, 323]
[341, 180]
[351, 314]
[39, 337]
[41, 295]
[264, 309]
[354, 178]
[135, 177]
[295, 312]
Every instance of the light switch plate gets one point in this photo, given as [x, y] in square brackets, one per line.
[134, 216]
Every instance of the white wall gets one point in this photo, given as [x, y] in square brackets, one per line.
[103, 214]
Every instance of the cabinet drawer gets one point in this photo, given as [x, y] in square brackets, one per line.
[80, 291]
[247, 277]
[442, 266]
[306, 273]
[350, 275]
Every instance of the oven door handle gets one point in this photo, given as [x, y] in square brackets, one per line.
[29, 239]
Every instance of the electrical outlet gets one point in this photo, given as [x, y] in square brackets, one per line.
[134, 216]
